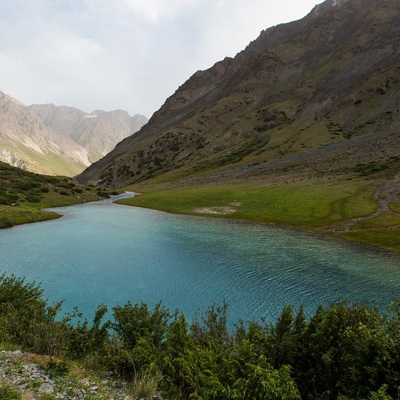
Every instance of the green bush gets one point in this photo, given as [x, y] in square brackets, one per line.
[33, 198]
[9, 393]
[5, 223]
[102, 193]
[341, 352]
[27, 185]
[7, 198]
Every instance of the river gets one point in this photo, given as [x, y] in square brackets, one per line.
[106, 253]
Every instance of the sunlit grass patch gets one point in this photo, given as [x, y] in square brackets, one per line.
[10, 215]
[395, 207]
[388, 239]
[305, 204]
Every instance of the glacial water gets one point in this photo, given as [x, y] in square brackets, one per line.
[106, 253]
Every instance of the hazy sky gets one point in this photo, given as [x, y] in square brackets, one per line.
[123, 54]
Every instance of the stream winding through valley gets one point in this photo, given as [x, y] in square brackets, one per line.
[104, 253]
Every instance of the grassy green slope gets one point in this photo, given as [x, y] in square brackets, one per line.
[50, 163]
[23, 195]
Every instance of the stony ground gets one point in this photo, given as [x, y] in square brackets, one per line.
[38, 377]
[386, 193]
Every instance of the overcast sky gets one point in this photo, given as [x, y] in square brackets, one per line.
[123, 54]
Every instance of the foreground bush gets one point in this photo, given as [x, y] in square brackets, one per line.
[341, 352]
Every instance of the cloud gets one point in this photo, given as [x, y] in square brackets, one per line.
[129, 54]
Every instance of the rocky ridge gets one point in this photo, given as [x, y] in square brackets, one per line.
[54, 140]
[97, 132]
[26, 142]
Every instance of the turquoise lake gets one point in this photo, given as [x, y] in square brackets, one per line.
[107, 253]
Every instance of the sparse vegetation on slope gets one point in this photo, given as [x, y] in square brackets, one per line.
[296, 95]
[24, 195]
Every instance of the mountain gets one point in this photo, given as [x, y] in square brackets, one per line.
[25, 142]
[59, 140]
[97, 132]
[318, 95]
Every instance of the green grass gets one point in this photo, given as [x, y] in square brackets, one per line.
[23, 215]
[308, 205]
[23, 195]
[27, 212]
[51, 163]
[9, 393]
[388, 239]
[395, 207]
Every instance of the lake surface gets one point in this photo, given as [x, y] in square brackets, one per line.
[106, 253]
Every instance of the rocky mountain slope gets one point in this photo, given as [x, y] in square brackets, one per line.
[59, 140]
[97, 132]
[318, 95]
[25, 142]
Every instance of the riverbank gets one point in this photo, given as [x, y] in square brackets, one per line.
[358, 210]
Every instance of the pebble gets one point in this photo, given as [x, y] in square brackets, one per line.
[46, 388]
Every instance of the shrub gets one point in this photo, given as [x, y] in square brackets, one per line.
[103, 193]
[33, 198]
[9, 393]
[146, 384]
[27, 185]
[5, 223]
[8, 198]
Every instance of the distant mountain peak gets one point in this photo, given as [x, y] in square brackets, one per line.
[60, 140]
[6, 98]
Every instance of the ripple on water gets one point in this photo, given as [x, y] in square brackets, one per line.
[104, 253]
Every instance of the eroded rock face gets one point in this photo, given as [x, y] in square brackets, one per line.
[97, 133]
[59, 140]
[12, 158]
